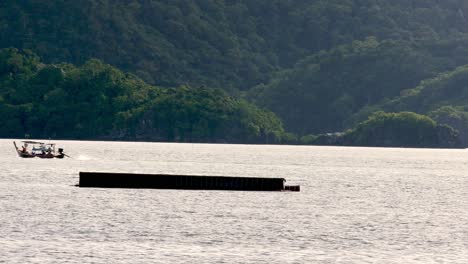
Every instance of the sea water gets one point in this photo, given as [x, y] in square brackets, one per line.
[356, 205]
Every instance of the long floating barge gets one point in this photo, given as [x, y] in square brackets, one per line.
[187, 182]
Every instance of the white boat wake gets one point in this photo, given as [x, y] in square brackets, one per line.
[84, 157]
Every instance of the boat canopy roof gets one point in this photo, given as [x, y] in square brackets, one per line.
[32, 142]
[37, 143]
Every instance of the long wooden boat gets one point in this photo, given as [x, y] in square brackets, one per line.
[33, 149]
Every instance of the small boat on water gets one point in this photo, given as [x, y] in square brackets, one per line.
[32, 149]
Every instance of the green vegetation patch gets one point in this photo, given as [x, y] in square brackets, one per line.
[98, 101]
[404, 129]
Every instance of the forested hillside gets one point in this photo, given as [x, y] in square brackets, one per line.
[321, 92]
[319, 65]
[213, 42]
[444, 98]
[97, 101]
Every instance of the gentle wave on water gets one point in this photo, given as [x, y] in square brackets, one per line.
[356, 205]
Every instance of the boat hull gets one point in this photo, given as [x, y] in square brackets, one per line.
[50, 156]
[25, 155]
[42, 156]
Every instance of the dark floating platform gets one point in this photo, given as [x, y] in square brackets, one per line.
[186, 182]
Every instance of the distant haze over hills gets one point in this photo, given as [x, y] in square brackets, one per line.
[320, 66]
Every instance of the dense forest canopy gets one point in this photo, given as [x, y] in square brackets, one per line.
[406, 129]
[322, 91]
[444, 98]
[96, 100]
[213, 42]
[402, 129]
[319, 65]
